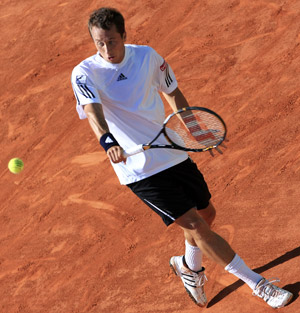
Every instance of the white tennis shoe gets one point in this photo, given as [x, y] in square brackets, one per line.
[192, 281]
[273, 295]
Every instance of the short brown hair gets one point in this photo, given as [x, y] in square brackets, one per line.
[106, 17]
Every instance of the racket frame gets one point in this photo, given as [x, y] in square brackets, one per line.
[173, 145]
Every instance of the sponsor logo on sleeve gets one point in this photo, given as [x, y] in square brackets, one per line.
[168, 78]
[163, 66]
[81, 79]
[82, 86]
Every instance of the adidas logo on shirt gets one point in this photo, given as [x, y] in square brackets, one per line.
[121, 77]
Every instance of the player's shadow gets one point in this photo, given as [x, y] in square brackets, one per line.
[293, 288]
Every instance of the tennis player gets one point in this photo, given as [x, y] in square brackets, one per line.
[118, 91]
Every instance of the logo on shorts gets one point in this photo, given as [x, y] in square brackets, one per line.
[163, 66]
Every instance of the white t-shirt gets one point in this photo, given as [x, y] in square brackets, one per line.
[132, 106]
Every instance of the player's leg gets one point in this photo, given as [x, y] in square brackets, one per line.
[217, 249]
[193, 254]
[199, 237]
[198, 190]
[210, 243]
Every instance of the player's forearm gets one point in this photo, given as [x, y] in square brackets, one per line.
[176, 100]
[96, 119]
[98, 127]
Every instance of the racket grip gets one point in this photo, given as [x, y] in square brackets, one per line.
[133, 151]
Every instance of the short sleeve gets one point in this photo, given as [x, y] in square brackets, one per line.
[164, 74]
[84, 90]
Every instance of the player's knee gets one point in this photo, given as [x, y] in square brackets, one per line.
[211, 216]
[208, 214]
[198, 228]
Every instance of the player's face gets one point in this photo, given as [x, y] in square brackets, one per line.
[109, 43]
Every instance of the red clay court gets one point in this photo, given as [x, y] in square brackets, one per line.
[72, 239]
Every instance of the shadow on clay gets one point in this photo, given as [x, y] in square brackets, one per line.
[293, 288]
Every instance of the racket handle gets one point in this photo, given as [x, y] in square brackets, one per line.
[133, 151]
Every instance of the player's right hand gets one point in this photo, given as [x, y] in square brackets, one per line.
[115, 154]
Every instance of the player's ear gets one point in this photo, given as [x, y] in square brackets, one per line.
[124, 36]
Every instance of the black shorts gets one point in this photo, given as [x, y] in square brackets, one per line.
[174, 191]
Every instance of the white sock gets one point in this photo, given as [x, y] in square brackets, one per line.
[238, 268]
[193, 257]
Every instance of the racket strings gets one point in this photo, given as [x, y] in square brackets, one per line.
[195, 129]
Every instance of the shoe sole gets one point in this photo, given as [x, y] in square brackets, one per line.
[189, 293]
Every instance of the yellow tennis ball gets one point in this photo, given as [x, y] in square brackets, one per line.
[16, 165]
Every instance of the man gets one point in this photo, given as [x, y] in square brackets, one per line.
[117, 90]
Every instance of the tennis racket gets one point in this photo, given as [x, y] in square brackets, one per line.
[192, 129]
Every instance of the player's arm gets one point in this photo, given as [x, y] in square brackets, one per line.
[176, 100]
[99, 126]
